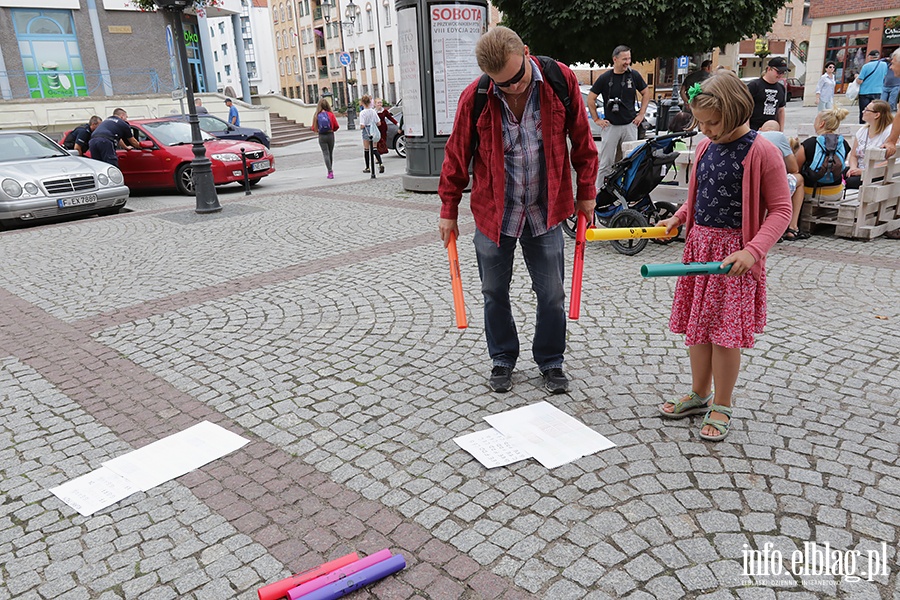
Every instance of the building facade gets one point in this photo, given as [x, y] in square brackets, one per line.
[259, 50]
[80, 48]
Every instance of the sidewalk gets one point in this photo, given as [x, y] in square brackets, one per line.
[318, 323]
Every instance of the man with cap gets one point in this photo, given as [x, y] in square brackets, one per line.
[769, 95]
[870, 80]
[233, 117]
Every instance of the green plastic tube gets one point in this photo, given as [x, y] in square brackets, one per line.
[679, 269]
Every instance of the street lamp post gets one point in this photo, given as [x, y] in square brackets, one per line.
[201, 167]
[350, 13]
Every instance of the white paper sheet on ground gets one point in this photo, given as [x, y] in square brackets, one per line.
[491, 448]
[94, 491]
[175, 455]
[548, 434]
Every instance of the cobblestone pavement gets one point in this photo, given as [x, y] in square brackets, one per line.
[319, 325]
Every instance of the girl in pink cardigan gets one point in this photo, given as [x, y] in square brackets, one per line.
[738, 207]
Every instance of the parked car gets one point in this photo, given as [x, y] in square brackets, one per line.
[648, 127]
[225, 131]
[164, 160]
[794, 88]
[396, 140]
[39, 179]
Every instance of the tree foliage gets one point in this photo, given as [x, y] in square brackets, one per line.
[584, 30]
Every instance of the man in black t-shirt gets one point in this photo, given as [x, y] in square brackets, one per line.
[111, 133]
[769, 95]
[619, 88]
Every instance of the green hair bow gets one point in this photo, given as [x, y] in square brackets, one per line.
[694, 91]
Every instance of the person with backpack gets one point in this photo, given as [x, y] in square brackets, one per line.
[521, 192]
[80, 137]
[824, 156]
[618, 87]
[325, 124]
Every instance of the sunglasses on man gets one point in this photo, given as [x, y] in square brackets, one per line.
[516, 79]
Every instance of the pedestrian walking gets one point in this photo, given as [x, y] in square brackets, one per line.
[521, 192]
[618, 87]
[200, 109]
[384, 115]
[368, 122]
[825, 87]
[111, 133]
[233, 117]
[738, 207]
[870, 80]
[325, 124]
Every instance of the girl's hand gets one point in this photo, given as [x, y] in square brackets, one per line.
[670, 224]
[741, 262]
[852, 172]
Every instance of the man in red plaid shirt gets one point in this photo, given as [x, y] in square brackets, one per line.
[521, 192]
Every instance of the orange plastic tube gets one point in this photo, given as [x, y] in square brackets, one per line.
[626, 233]
[577, 267]
[459, 303]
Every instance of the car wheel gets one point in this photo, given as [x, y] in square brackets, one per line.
[255, 140]
[400, 146]
[788, 97]
[184, 181]
[254, 181]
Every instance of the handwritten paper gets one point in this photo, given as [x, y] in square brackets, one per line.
[491, 448]
[94, 491]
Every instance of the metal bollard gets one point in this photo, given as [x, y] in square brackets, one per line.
[246, 175]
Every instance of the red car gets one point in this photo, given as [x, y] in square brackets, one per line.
[164, 160]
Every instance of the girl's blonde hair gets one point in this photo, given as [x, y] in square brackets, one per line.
[829, 120]
[496, 47]
[727, 95]
[365, 100]
[884, 118]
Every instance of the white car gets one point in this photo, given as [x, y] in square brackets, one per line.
[39, 179]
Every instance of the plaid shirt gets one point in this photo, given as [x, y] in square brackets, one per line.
[489, 180]
[523, 159]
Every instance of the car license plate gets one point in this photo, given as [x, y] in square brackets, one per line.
[77, 201]
[262, 165]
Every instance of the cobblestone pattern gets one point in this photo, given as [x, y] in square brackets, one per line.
[356, 370]
[162, 544]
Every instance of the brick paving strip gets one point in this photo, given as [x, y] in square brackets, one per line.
[299, 515]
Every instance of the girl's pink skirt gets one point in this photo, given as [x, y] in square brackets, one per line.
[718, 309]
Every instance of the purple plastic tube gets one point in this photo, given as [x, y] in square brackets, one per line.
[341, 588]
[338, 574]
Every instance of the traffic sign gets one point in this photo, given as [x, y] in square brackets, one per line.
[345, 59]
[683, 62]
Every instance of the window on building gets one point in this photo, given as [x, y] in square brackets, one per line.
[278, 42]
[290, 12]
[216, 55]
[227, 70]
[218, 77]
[372, 57]
[290, 70]
[846, 45]
[252, 73]
[281, 66]
[387, 13]
[296, 65]
[224, 49]
[358, 25]
[293, 37]
[390, 55]
[362, 61]
[370, 21]
[221, 27]
[788, 15]
[807, 21]
[212, 32]
[281, 10]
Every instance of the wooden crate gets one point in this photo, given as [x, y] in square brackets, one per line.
[876, 210]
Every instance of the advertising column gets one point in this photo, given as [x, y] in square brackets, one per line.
[437, 62]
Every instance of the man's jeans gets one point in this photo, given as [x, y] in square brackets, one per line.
[864, 100]
[544, 259]
[889, 95]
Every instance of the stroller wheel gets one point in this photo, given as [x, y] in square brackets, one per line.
[630, 219]
[664, 210]
[570, 224]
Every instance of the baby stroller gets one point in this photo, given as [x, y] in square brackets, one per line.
[624, 200]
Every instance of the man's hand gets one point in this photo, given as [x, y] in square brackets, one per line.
[637, 120]
[890, 149]
[603, 123]
[445, 228]
[587, 207]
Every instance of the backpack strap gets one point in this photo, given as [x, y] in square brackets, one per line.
[552, 74]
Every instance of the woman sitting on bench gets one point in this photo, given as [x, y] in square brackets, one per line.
[877, 126]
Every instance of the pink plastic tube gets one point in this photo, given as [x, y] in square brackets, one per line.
[355, 567]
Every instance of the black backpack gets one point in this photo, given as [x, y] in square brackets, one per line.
[551, 73]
